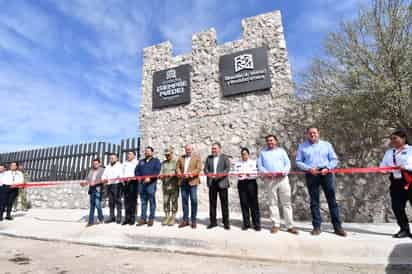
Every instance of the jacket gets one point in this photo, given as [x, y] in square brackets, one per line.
[223, 166]
[195, 167]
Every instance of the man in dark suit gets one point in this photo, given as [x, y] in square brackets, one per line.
[216, 164]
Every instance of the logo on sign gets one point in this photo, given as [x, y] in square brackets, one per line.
[170, 74]
[243, 62]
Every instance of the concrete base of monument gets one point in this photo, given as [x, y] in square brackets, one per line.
[370, 245]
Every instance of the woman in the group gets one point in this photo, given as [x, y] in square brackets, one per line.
[248, 190]
[400, 155]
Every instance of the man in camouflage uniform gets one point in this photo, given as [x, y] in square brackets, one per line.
[170, 188]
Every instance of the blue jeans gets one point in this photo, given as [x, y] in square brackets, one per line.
[147, 195]
[327, 182]
[95, 202]
[189, 191]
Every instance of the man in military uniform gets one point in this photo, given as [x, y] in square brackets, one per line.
[170, 188]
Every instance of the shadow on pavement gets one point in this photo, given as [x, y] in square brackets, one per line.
[400, 260]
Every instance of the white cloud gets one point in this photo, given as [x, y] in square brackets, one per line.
[182, 20]
[52, 95]
[31, 23]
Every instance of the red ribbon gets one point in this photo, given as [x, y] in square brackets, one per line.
[407, 176]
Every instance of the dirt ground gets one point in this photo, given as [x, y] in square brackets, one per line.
[32, 256]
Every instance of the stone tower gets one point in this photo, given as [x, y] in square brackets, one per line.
[234, 121]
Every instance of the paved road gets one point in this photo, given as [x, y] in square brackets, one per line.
[32, 256]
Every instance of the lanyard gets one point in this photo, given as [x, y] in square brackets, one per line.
[394, 155]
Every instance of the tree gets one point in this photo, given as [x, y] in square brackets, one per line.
[362, 86]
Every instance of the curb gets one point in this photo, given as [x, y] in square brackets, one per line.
[209, 254]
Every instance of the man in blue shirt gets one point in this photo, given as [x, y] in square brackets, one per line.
[317, 157]
[149, 166]
[275, 160]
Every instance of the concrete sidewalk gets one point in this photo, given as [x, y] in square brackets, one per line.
[366, 244]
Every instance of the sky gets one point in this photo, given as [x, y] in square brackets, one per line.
[70, 70]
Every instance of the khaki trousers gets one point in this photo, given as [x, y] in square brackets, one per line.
[278, 190]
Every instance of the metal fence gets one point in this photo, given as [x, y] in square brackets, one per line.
[69, 162]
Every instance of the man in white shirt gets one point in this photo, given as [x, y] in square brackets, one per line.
[10, 178]
[130, 189]
[113, 171]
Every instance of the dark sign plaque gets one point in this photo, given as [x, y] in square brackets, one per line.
[244, 71]
[171, 87]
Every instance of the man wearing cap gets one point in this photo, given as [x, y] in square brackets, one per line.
[170, 188]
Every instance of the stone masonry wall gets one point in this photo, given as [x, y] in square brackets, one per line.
[233, 121]
[238, 121]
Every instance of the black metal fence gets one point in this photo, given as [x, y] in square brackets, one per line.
[69, 162]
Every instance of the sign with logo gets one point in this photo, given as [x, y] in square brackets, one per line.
[171, 87]
[244, 71]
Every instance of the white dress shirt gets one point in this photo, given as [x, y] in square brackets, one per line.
[403, 157]
[187, 162]
[1, 178]
[215, 162]
[246, 167]
[12, 177]
[129, 167]
[113, 172]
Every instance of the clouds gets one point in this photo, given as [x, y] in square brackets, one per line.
[180, 19]
[70, 71]
[66, 76]
[310, 26]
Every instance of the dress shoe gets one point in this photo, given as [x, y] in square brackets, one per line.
[227, 227]
[125, 223]
[293, 230]
[257, 228]
[131, 222]
[194, 225]
[340, 232]
[183, 224]
[109, 221]
[211, 226]
[150, 223]
[141, 222]
[402, 234]
[245, 227]
[274, 229]
[315, 232]
[9, 218]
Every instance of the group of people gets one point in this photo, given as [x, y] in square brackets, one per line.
[315, 157]
[8, 194]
